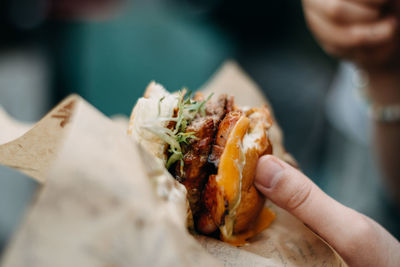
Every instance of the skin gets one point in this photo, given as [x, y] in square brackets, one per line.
[363, 31]
[360, 242]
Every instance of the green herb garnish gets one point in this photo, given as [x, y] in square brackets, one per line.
[187, 109]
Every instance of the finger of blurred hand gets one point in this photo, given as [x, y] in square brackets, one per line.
[372, 2]
[343, 38]
[344, 11]
[350, 233]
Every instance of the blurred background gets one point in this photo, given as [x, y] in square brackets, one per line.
[109, 50]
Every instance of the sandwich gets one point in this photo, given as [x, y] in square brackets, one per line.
[212, 147]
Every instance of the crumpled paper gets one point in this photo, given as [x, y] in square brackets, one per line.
[98, 205]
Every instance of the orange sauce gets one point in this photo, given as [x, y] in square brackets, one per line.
[265, 218]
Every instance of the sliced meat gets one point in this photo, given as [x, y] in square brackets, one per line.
[193, 175]
[205, 223]
[230, 104]
[217, 109]
[198, 150]
[194, 172]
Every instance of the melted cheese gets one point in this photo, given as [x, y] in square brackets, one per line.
[230, 167]
[255, 137]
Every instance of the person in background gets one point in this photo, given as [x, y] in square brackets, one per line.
[366, 32]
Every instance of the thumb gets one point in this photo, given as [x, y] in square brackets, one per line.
[291, 190]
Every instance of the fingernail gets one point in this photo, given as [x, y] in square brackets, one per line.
[267, 172]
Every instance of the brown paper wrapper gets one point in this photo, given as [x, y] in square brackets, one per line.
[105, 202]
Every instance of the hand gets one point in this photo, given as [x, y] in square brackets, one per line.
[363, 31]
[358, 239]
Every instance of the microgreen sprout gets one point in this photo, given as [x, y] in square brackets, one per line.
[187, 110]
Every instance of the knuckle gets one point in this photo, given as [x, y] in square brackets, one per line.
[363, 230]
[335, 9]
[359, 239]
[356, 39]
[299, 197]
[363, 35]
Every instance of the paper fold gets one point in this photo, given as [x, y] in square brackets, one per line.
[98, 206]
[33, 152]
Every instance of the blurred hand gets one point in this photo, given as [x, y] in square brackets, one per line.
[364, 31]
[358, 239]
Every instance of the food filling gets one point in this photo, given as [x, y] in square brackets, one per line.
[209, 141]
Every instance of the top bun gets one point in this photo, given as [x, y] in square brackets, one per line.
[145, 114]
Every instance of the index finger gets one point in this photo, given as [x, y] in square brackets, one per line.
[343, 228]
